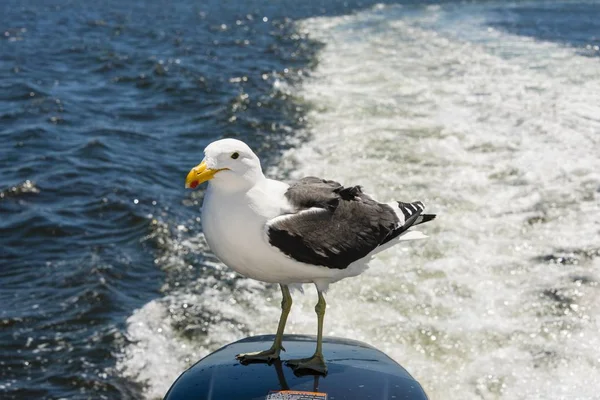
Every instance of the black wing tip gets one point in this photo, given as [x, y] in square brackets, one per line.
[426, 218]
[410, 210]
[413, 213]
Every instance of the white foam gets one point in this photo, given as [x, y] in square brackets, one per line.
[168, 335]
[489, 130]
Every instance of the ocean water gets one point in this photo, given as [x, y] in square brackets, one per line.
[488, 112]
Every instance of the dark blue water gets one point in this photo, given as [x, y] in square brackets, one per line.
[575, 24]
[104, 107]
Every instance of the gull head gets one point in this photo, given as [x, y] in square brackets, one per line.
[228, 164]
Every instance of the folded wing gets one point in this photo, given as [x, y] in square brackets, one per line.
[333, 226]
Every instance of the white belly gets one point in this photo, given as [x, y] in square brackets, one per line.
[236, 234]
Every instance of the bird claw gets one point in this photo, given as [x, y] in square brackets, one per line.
[259, 356]
[315, 363]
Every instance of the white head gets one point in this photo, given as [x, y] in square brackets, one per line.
[228, 164]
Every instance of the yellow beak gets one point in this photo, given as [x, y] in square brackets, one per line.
[200, 174]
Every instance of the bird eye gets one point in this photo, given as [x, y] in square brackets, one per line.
[235, 155]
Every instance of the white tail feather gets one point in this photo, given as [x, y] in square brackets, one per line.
[412, 235]
[406, 236]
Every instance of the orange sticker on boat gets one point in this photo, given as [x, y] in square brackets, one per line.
[295, 395]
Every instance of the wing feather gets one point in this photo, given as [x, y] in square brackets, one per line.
[333, 226]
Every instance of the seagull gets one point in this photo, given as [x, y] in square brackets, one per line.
[310, 231]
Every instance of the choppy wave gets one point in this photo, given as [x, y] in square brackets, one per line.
[20, 189]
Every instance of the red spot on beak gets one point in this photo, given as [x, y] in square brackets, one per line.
[193, 184]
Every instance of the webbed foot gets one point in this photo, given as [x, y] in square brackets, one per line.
[260, 356]
[316, 363]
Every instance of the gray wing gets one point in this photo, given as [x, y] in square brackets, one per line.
[333, 226]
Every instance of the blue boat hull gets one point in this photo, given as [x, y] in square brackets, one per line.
[356, 371]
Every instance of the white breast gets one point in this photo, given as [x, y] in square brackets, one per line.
[234, 227]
